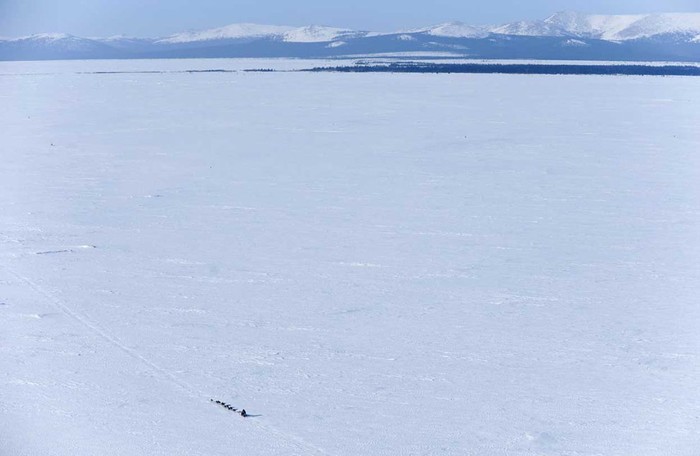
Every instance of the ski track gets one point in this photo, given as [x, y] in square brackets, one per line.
[184, 386]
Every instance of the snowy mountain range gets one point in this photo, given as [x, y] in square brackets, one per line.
[565, 35]
[609, 28]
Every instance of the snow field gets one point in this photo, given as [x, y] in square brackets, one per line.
[372, 263]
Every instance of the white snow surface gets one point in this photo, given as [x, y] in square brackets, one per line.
[368, 263]
[573, 42]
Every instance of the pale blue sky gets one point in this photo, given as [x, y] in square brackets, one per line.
[156, 18]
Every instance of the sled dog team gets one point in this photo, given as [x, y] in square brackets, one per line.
[241, 412]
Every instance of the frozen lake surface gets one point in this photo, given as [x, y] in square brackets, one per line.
[380, 264]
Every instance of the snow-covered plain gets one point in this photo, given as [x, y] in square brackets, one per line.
[376, 264]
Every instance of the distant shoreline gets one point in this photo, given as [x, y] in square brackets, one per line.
[520, 68]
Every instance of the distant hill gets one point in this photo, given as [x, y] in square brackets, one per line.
[565, 35]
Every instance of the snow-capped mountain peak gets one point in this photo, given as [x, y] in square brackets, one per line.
[48, 37]
[309, 34]
[564, 35]
[661, 24]
[455, 30]
[606, 27]
[316, 34]
[529, 28]
[591, 26]
[229, 32]
[50, 44]
[113, 38]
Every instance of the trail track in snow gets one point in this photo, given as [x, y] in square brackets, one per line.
[188, 389]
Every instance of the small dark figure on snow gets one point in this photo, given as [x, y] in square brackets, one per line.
[243, 413]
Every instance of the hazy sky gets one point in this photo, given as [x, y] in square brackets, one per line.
[156, 18]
